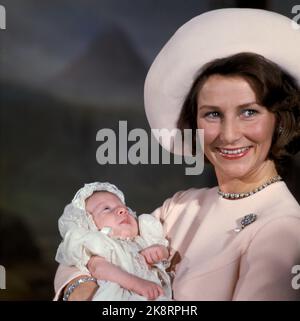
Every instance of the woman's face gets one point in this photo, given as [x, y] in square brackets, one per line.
[237, 130]
[108, 210]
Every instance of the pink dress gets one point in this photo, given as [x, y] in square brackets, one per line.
[213, 262]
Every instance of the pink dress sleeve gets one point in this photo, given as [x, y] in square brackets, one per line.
[162, 212]
[63, 276]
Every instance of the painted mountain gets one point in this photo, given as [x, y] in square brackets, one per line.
[109, 73]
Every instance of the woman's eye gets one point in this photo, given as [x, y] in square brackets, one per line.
[212, 114]
[249, 112]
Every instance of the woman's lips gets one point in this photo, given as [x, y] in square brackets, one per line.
[233, 153]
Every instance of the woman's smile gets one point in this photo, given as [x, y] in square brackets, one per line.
[233, 153]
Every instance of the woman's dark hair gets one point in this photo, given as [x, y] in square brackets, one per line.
[274, 88]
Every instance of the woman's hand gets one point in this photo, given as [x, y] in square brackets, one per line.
[155, 253]
[84, 291]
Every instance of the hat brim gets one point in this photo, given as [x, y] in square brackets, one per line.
[215, 34]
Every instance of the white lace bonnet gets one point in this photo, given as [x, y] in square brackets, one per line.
[75, 214]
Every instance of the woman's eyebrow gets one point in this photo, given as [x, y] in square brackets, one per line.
[208, 107]
[212, 107]
[248, 104]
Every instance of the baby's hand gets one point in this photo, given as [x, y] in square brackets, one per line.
[155, 253]
[148, 289]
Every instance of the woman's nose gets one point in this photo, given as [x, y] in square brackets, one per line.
[230, 132]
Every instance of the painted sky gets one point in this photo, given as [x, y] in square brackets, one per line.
[43, 36]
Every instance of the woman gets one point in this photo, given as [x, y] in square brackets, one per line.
[221, 72]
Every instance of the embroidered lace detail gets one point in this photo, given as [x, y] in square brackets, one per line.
[74, 218]
[89, 189]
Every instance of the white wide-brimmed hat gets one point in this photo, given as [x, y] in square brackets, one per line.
[212, 35]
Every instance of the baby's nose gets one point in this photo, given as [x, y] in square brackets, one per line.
[122, 211]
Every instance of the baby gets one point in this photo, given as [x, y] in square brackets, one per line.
[98, 223]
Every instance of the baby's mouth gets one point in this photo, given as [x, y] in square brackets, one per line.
[124, 220]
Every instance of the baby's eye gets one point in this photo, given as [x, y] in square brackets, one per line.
[105, 209]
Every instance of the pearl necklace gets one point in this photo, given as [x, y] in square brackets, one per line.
[235, 196]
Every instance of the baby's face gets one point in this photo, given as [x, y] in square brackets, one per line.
[107, 210]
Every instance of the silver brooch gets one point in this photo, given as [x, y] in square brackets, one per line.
[246, 220]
